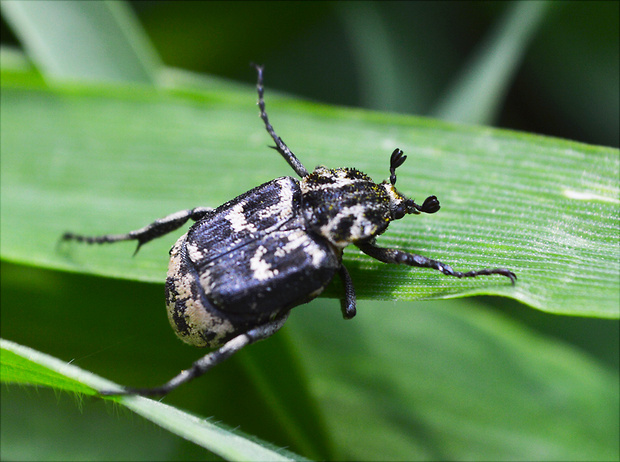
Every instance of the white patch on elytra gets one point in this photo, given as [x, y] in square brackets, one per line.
[284, 207]
[286, 200]
[299, 239]
[262, 269]
[316, 252]
[194, 252]
[206, 281]
[238, 221]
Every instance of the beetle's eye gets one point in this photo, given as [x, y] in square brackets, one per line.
[399, 212]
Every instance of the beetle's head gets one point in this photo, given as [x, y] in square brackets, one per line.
[345, 206]
[399, 204]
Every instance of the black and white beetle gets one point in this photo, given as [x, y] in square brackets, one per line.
[236, 274]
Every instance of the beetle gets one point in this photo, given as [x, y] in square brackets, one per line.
[236, 274]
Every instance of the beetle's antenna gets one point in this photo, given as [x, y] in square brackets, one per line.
[430, 205]
[281, 147]
[396, 160]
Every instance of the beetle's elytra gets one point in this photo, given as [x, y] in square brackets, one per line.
[238, 271]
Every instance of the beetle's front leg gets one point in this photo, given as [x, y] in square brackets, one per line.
[206, 362]
[405, 258]
[143, 235]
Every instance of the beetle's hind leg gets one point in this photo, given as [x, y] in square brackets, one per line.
[405, 258]
[206, 362]
[151, 231]
[280, 146]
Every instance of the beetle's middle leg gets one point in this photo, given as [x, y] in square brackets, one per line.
[206, 362]
[151, 231]
[347, 304]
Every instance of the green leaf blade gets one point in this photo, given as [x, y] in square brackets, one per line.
[23, 365]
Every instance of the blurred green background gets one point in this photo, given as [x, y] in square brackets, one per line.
[407, 57]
